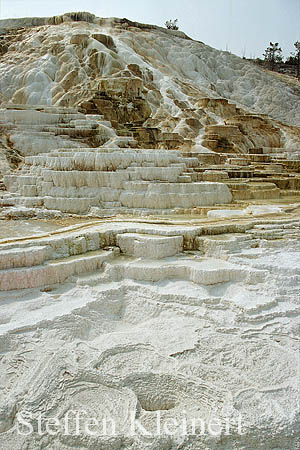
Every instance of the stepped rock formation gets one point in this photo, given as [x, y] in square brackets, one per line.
[113, 180]
[149, 241]
[118, 83]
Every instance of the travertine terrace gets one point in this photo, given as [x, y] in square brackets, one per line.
[149, 242]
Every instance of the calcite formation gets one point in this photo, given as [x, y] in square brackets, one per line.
[149, 286]
[176, 322]
[125, 84]
[112, 180]
[61, 174]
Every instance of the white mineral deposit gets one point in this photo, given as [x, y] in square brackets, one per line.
[149, 242]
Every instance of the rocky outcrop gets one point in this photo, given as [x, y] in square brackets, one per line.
[120, 101]
[132, 73]
[81, 16]
[118, 84]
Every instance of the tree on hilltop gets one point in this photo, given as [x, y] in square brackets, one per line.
[296, 56]
[172, 24]
[273, 55]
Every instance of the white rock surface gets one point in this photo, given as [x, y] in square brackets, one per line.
[255, 210]
[75, 180]
[153, 247]
[123, 319]
[215, 73]
[209, 332]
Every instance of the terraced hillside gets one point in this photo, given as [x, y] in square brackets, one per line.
[149, 242]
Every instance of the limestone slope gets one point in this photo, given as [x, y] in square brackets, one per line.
[41, 64]
[79, 82]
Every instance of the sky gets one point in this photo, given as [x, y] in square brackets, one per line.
[243, 27]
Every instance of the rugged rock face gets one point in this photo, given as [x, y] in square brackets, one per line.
[121, 84]
[120, 100]
[184, 84]
[176, 332]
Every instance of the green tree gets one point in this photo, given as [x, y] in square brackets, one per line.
[172, 24]
[297, 57]
[273, 55]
